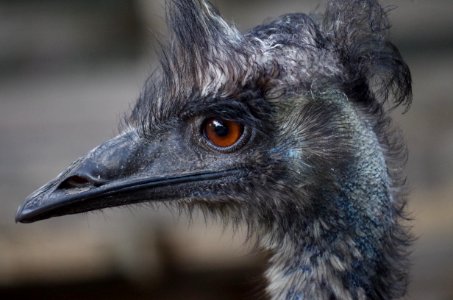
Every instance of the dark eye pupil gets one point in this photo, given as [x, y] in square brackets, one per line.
[220, 128]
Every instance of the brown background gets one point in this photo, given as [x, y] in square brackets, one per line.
[70, 69]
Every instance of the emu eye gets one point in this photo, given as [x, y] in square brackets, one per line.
[222, 133]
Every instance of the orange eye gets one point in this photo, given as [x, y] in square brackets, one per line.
[222, 133]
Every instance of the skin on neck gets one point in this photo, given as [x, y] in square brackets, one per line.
[339, 245]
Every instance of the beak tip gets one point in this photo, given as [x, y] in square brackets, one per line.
[21, 215]
[24, 214]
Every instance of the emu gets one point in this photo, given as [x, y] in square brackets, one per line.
[285, 128]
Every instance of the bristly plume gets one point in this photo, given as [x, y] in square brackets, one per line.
[205, 57]
[346, 48]
[202, 45]
[358, 31]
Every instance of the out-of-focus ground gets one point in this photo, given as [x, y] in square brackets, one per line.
[69, 70]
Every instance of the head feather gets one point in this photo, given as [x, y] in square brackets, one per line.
[374, 68]
[345, 49]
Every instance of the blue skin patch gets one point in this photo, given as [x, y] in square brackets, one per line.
[295, 154]
[365, 244]
[291, 153]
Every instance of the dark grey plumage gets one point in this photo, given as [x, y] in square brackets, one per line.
[317, 173]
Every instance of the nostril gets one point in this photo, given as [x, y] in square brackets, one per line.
[74, 182]
[77, 181]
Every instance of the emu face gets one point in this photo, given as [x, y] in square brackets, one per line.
[283, 127]
[215, 127]
[179, 163]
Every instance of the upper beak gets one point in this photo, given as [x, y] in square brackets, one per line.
[123, 170]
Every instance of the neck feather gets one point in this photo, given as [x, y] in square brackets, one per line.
[348, 244]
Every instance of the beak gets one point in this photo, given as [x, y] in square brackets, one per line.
[125, 170]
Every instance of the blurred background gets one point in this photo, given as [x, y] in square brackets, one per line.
[70, 69]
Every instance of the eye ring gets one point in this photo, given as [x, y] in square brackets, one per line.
[224, 135]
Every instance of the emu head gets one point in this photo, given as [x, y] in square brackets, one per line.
[282, 127]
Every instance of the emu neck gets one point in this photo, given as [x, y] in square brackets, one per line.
[339, 246]
[335, 255]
